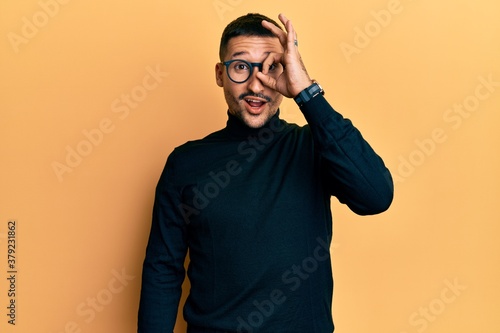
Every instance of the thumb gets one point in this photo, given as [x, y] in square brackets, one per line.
[267, 80]
[274, 83]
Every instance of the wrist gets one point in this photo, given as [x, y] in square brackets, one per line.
[301, 87]
[308, 93]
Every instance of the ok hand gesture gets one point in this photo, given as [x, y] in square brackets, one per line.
[294, 78]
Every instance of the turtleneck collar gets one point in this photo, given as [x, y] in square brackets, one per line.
[237, 128]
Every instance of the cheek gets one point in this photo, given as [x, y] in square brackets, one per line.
[231, 95]
[277, 99]
[234, 91]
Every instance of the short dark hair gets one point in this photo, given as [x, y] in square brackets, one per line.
[247, 25]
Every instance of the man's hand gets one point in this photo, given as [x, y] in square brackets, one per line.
[294, 78]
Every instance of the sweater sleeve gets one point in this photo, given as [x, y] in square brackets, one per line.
[163, 268]
[355, 174]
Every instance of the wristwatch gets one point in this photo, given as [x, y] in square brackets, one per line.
[309, 93]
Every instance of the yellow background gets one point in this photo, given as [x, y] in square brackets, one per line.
[429, 264]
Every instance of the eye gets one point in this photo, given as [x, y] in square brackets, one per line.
[240, 66]
[274, 67]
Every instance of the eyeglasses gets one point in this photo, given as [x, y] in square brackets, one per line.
[239, 71]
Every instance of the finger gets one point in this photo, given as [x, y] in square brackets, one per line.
[292, 34]
[267, 80]
[272, 58]
[288, 25]
[283, 19]
[276, 31]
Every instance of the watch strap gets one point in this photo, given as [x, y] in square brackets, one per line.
[309, 93]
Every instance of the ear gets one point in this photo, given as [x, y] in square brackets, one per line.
[219, 72]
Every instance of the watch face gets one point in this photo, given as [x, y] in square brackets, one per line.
[310, 92]
[319, 86]
[314, 90]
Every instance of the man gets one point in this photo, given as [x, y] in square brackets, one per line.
[251, 202]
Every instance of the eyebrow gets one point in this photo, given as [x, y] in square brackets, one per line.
[237, 54]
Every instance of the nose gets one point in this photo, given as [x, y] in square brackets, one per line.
[254, 84]
[257, 65]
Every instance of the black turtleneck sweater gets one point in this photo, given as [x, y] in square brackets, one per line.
[252, 206]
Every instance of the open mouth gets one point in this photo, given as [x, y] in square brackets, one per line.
[255, 104]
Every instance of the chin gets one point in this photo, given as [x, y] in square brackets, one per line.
[255, 124]
[255, 121]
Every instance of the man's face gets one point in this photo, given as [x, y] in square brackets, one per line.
[251, 101]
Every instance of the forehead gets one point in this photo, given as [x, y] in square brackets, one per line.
[252, 47]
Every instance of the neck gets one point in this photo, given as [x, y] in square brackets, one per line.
[236, 127]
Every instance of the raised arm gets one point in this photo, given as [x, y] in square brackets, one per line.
[356, 175]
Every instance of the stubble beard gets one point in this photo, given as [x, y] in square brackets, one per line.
[237, 109]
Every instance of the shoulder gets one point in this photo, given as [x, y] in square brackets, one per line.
[197, 146]
[195, 155]
[295, 132]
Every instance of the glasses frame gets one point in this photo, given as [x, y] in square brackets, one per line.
[250, 64]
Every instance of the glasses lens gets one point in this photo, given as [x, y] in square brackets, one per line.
[239, 70]
[275, 70]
